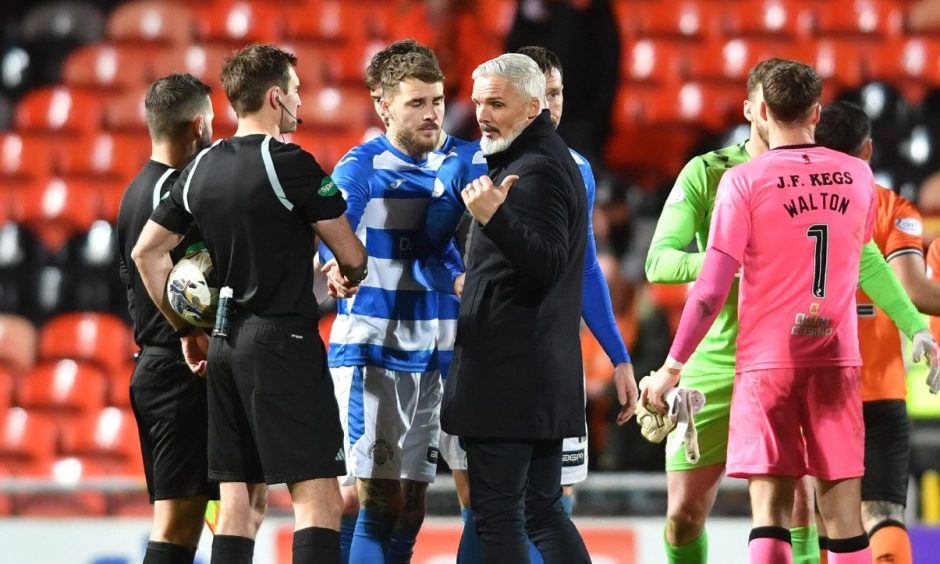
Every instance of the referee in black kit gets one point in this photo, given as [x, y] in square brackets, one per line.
[257, 202]
[168, 400]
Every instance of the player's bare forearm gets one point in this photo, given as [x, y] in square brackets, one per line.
[912, 272]
[348, 250]
[151, 254]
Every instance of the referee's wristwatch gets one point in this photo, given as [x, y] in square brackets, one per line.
[184, 331]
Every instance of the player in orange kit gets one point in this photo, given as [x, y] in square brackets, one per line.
[898, 233]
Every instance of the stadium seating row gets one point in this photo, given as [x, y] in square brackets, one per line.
[103, 342]
[75, 486]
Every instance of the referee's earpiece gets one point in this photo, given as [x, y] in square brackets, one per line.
[277, 99]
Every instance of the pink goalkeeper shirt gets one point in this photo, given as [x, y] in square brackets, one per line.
[796, 218]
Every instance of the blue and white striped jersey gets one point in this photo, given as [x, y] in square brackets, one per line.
[392, 322]
[464, 164]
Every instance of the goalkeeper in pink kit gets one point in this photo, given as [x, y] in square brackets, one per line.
[793, 221]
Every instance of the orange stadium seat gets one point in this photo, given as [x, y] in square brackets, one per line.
[6, 501]
[684, 20]
[111, 155]
[64, 389]
[238, 23]
[119, 384]
[202, 61]
[322, 64]
[328, 149]
[67, 473]
[58, 109]
[652, 150]
[335, 108]
[690, 104]
[18, 341]
[150, 22]
[108, 437]
[334, 22]
[27, 439]
[905, 60]
[110, 192]
[628, 106]
[862, 18]
[27, 155]
[841, 62]
[496, 17]
[97, 338]
[767, 18]
[225, 122]
[653, 61]
[729, 60]
[125, 111]
[102, 66]
[55, 209]
[7, 384]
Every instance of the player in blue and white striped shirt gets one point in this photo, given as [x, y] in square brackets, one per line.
[383, 346]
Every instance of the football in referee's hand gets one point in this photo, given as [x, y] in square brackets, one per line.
[189, 292]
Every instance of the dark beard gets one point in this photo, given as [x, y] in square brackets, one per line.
[413, 146]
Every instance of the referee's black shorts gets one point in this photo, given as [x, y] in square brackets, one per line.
[272, 413]
[887, 451]
[169, 403]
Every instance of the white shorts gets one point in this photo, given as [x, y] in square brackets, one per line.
[454, 454]
[574, 460]
[391, 420]
[574, 455]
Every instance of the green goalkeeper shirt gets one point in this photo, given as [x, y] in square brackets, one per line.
[686, 217]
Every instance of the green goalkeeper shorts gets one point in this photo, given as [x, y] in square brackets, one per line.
[711, 422]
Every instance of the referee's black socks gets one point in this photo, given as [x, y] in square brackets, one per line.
[168, 553]
[231, 549]
[316, 545]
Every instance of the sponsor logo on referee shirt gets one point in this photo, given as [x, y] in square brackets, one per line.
[327, 187]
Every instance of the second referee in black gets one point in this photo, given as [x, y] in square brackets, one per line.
[168, 400]
[257, 201]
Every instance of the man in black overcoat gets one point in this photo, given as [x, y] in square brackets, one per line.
[515, 388]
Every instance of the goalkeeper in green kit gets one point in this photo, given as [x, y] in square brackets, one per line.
[692, 488]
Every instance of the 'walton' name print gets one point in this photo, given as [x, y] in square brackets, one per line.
[819, 200]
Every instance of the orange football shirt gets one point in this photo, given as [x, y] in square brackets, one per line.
[898, 231]
[933, 272]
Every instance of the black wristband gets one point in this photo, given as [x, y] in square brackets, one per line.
[365, 273]
[184, 331]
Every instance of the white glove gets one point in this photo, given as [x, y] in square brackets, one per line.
[654, 426]
[925, 346]
[683, 404]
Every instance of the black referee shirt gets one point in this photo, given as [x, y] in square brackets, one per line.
[137, 204]
[254, 199]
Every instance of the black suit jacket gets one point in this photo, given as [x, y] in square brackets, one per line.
[516, 371]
